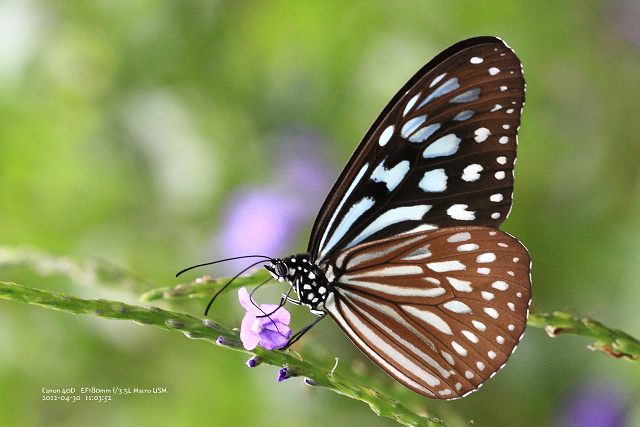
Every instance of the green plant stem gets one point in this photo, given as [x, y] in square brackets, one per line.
[208, 330]
[613, 342]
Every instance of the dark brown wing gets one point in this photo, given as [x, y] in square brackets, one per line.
[440, 154]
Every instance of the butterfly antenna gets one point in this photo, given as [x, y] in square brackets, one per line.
[224, 260]
[283, 300]
[234, 277]
[263, 313]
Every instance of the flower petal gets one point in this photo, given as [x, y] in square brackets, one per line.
[278, 327]
[272, 340]
[278, 313]
[245, 299]
[250, 339]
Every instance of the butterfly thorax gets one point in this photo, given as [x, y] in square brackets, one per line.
[306, 278]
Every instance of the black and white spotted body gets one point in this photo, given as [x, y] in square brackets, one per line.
[305, 278]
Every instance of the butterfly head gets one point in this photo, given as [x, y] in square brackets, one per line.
[304, 277]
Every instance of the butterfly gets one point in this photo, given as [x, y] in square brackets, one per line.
[405, 254]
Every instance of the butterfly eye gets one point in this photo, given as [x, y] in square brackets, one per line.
[281, 269]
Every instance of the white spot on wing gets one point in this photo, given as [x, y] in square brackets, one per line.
[392, 216]
[464, 115]
[448, 357]
[391, 177]
[358, 283]
[493, 71]
[467, 247]
[443, 146]
[460, 285]
[429, 317]
[459, 237]
[445, 266]
[487, 295]
[481, 134]
[491, 312]
[472, 172]
[446, 87]
[395, 270]
[386, 135]
[420, 229]
[486, 257]
[424, 133]
[437, 79]
[457, 307]
[470, 336]
[353, 185]
[476, 60]
[418, 254]
[468, 96]
[411, 125]
[367, 256]
[479, 325]
[460, 212]
[500, 285]
[355, 212]
[459, 349]
[410, 104]
[434, 181]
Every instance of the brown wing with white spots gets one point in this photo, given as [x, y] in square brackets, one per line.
[440, 311]
[441, 153]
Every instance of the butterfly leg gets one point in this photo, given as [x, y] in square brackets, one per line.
[302, 331]
[286, 297]
[291, 300]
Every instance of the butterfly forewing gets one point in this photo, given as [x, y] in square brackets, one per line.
[440, 311]
[441, 154]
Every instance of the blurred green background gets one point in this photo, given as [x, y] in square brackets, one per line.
[150, 133]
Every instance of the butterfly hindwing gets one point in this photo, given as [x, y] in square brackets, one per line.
[440, 311]
[440, 154]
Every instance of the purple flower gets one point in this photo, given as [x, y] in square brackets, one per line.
[287, 372]
[270, 331]
[598, 403]
[254, 361]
